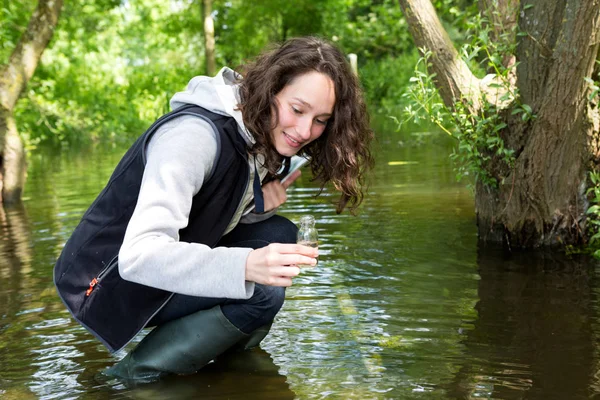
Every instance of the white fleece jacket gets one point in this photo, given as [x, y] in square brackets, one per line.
[179, 157]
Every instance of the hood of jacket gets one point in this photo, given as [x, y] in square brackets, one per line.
[218, 94]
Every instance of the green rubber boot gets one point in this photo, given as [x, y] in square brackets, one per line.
[252, 340]
[181, 346]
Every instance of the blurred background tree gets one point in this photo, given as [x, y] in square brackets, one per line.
[24, 48]
[113, 64]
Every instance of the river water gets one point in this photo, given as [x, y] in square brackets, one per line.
[404, 303]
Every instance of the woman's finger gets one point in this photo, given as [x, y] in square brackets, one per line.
[296, 259]
[294, 248]
[291, 178]
[287, 271]
[279, 281]
[274, 195]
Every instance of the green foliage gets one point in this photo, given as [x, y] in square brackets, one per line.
[377, 32]
[14, 17]
[385, 81]
[112, 65]
[107, 73]
[243, 29]
[594, 89]
[373, 30]
[480, 148]
[478, 135]
[593, 192]
[593, 213]
[456, 17]
[593, 85]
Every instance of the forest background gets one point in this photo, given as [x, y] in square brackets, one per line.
[112, 65]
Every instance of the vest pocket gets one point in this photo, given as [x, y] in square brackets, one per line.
[114, 262]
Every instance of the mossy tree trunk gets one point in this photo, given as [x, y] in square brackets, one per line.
[13, 81]
[541, 201]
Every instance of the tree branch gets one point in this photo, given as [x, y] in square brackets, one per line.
[454, 79]
[24, 59]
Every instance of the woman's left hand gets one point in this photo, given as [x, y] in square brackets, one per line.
[274, 192]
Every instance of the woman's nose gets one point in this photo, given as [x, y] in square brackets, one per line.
[304, 127]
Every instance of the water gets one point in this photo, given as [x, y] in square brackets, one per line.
[403, 303]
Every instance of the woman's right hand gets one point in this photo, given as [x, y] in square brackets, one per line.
[276, 264]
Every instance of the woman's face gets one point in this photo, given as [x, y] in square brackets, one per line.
[304, 106]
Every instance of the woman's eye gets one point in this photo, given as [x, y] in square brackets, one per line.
[320, 122]
[296, 111]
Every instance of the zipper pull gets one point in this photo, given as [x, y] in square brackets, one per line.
[92, 284]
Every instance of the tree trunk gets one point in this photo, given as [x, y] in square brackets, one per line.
[541, 201]
[14, 163]
[453, 78]
[209, 38]
[13, 80]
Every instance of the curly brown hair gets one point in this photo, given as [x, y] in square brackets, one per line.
[341, 155]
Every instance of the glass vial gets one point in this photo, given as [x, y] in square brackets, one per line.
[307, 234]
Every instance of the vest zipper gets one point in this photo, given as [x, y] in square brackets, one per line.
[111, 264]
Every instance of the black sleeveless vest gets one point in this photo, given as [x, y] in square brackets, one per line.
[86, 274]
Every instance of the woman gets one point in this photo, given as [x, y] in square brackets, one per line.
[184, 237]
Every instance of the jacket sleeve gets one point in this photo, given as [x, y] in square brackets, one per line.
[179, 157]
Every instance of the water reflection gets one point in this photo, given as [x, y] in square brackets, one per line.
[16, 260]
[15, 274]
[533, 337]
[247, 375]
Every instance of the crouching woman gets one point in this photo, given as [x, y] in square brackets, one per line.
[184, 237]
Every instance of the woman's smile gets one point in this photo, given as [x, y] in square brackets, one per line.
[292, 142]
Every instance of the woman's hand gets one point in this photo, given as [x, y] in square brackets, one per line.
[276, 264]
[274, 191]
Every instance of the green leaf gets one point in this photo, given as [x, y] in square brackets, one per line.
[593, 209]
[500, 126]
[595, 238]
